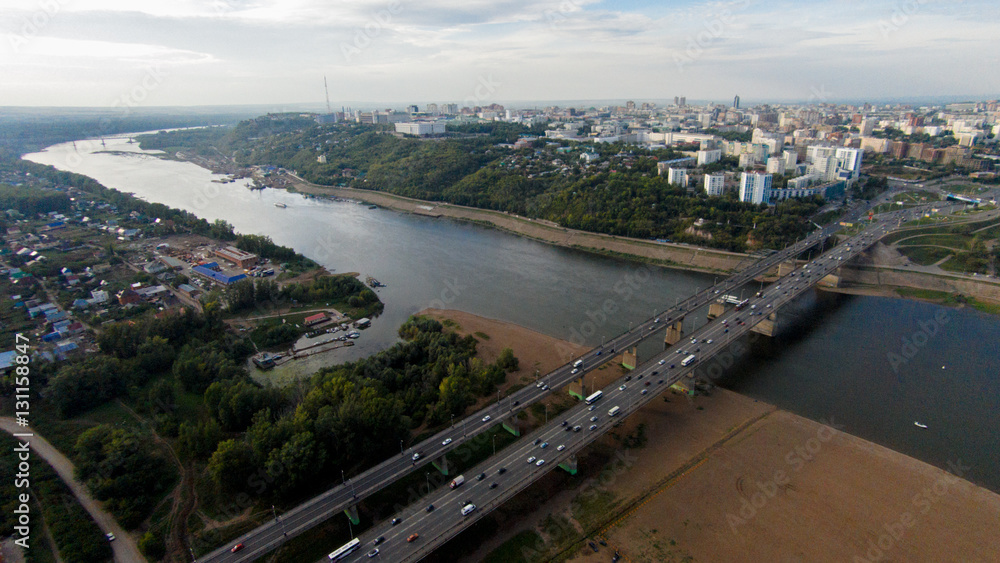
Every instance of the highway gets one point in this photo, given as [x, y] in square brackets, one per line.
[583, 424]
[303, 517]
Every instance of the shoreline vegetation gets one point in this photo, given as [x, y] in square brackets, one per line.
[625, 492]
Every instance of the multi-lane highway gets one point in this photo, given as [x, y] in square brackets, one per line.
[270, 535]
[494, 481]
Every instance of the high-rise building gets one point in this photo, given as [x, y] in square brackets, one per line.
[412, 109]
[677, 101]
[683, 101]
[736, 102]
[776, 165]
[678, 176]
[755, 187]
[715, 184]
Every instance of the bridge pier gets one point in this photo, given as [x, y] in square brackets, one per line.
[441, 464]
[786, 268]
[570, 465]
[510, 425]
[716, 310]
[630, 358]
[582, 393]
[352, 514]
[674, 333]
[769, 326]
[830, 280]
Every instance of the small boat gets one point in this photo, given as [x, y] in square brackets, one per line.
[918, 425]
[281, 205]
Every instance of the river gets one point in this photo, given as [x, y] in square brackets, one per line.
[837, 358]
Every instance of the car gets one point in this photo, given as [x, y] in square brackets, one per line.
[501, 471]
[373, 553]
[592, 546]
[413, 537]
[537, 441]
[656, 320]
[574, 371]
[540, 462]
[727, 330]
[652, 373]
[493, 485]
[644, 391]
[768, 305]
[110, 536]
[539, 384]
[709, 341]
[598, 353]
[593, 427]
[545, 387]
[416, 456]
[446, 442]
[396, 521]
[378, 540]
[660, 382]
[569, 429]
[532, 459]
[640, 376]
[565, 422]
[480, 477]
[517, 403]
[647, 383]
[622, 388]
[486, 418]
[576, 428]
[652, 328]
[235, 548]
[593, 419]
[694, 341]
[671, 366]
[628, 378]
[592, 407]
[561, 447]
[662, 362]
[544, 445]
[430, 508]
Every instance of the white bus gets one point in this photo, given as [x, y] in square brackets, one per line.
[345, 550]
[688, 360]
[593, 398]
[614, 411]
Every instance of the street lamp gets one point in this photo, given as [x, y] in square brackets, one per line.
[342, 478]
[427, 476]
[453, 420]
[400, 447]
[494, 444]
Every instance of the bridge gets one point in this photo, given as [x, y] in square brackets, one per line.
[345, 497]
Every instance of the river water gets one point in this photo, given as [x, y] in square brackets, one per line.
[870, 365]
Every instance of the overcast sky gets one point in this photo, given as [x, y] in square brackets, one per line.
[206, 52]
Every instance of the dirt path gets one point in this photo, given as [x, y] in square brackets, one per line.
[124, 547]
[183, 498]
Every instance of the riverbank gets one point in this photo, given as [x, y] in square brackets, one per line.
[726, 478]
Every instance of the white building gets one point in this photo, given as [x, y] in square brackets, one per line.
[755, 187]
[789, 193]
[715, 184]
[709, 156]
[421, 128]
[678, 176]
[834, 163]
[804, 181]
[776, 165]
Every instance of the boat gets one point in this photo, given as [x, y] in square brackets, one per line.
[918, 425]
[281, 205]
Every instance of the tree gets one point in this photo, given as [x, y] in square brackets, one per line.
[230, 466]
[507, 361]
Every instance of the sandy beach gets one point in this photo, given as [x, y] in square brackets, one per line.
[727, 478]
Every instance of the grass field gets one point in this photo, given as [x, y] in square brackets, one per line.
[956, 241]
[925, 255]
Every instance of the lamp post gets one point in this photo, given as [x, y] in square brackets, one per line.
[400, 447]
[494, 444]
[343, 479]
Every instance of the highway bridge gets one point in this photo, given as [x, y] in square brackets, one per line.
[345, 497]
[555, 444]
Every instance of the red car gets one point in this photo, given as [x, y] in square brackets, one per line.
[412, 537]
[236, 548]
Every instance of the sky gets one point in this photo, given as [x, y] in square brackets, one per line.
[113, 53]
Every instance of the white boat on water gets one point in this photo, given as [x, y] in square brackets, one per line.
[918, 425]
[281, 205]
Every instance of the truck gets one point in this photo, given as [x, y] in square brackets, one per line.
[457, 481]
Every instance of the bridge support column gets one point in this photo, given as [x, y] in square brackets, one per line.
[716, 310]
[674, 333]
[630, 358]
[569, 466]
[352, 514]
[769, 326]
[510, 425]
[685, 385]
[830, 280]
[785, 268]
[441, 464]
[582, 393]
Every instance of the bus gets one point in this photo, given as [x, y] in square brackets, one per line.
[593, 398]
[345, 550]
[688, 360]
[614, 411]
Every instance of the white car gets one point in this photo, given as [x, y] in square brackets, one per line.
[486, 418]
[540, 462]
[110, 536]
[561, 447]
[662, 362]
[446, 442]
[532, 459]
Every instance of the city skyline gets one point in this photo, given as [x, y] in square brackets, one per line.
[231, 52]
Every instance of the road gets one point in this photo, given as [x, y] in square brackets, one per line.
[581, 425]
[273, 533]
[124, 547]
